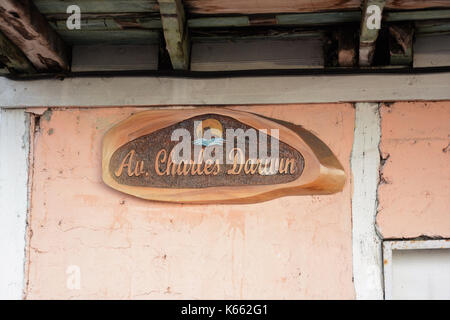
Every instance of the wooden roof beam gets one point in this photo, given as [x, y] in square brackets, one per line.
[372, 11]
[12, 58]
[175, 33]
[26, 27]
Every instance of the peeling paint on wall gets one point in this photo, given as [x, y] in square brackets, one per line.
[414, 193]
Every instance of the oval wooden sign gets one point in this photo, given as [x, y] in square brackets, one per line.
[216, 155]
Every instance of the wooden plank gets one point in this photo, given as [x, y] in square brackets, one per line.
[267, 6]
[22, 23]
[288, 6]
[117, 37]
[219, 22]
[12, 58]
[232, 35]
[117, 23]
[115, 58]
[317, 18]
[432, 27]
[301, 19]
[257, 54]
[14, 151]
[97, 6]
[392, 16]
[368, 36]
[400, 44]
[175, 33]
[416, 4]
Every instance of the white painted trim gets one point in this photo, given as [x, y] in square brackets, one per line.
[14, 152]
[389, 246]
[365, 163]
[145, 91]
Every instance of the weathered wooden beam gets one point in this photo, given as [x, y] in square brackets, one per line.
[369, 33]
[416, 4]
[263, 34]
[175, 33]
[116, 23]
[432, 27]
[97, 6]
[219, 22]
[12, 58]
[315, 18]
[400, 44]
[416, 15]
[300, 19]
[27, 28]
[266, 6]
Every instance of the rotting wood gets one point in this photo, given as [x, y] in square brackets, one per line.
[97, 6]
[400, 44]
[296, 6]
[22, 23]
[416, 4]
[12, 58]
[175, 33]
[149, 21]
[267, 6]
[368, 36]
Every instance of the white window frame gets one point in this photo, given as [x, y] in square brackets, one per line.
[389, 246]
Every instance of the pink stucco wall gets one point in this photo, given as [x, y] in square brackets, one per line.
[292, 247]
[414, 195]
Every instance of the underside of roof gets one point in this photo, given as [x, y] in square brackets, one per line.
[213, 35]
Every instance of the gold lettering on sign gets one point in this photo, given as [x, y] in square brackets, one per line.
[127, 162]
[238, 158]
[206, 167]
[285, 164]
[160, 153]
[184, 168]
[262, 167]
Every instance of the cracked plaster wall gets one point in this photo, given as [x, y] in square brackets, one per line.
[414, 193]
[291, 247]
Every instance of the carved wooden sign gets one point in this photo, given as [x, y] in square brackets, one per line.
[216, 155]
